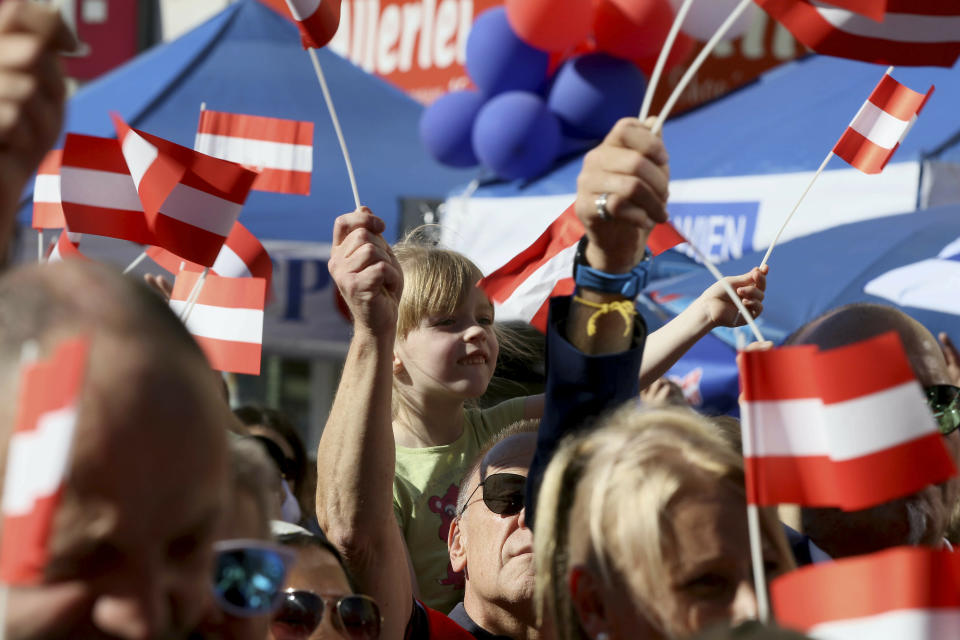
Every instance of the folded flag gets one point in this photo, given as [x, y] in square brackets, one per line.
[97, 193]
[280, 150]
[67, 246]
[38, 459]
[227, 320]
[880, 126]
[190, 200]
[904, 592]
[47, 211]
[242, 256]
[911, 33]
[317, 20]
[848, 427]
[522, 288]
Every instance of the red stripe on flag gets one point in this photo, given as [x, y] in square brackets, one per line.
[778, 374]
[251, 251]
[23, 547]
[897, 579]
[171, 262]
[854, 484]
[185, 240]
[858, 151]
[90, 152]
[852, 371]
[873, 9]
[282, 181]
[50, 165]
[317, 29]
[113, 223]
[664, 236]
[48, 215]
[564, 287]
[235, 357]
[239, 125]
[231, 293]
[899, 101]
[919, 7]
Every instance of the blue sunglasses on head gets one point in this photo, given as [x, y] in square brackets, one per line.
[249, 576]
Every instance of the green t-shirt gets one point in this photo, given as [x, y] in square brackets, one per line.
[425, 488]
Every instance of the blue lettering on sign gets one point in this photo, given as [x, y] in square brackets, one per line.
[297, 287]
[722, 230]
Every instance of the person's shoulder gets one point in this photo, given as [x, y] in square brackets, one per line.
[430, 624]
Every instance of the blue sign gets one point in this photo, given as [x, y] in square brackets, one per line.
[722, 230]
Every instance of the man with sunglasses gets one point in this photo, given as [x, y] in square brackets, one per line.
[922, 518]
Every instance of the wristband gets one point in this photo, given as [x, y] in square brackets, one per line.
[628, 285]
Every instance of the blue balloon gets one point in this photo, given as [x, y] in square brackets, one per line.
[446, 127]
[516, 136]
[499, 61]
[593, 91]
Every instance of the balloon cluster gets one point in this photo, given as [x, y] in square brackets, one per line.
[549, 73]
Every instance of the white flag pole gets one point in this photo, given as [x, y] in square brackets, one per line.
[136, 261]
[712, 268]
[336, 124]
[194, 294]
[39, 245]
[753, 519]
[662, 58]
[698, 62]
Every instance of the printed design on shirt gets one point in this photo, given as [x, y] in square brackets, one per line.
[446, 507]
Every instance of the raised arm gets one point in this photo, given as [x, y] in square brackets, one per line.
[356, 455]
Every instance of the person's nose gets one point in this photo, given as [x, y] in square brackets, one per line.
[744, 605]
[475, 333]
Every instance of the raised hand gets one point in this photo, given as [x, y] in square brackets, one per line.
[720, 310]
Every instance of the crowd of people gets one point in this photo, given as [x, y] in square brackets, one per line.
[591, 511]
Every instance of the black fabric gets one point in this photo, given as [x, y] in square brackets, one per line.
[459, 615]
[799, 545]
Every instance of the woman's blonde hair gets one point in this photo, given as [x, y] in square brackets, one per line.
[618, 481]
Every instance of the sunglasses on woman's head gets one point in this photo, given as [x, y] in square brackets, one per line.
[944, 402]
[502, 493]
[301, 612]
[248, 576]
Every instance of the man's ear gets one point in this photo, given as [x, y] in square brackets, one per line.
[456, 546]
[586, 594]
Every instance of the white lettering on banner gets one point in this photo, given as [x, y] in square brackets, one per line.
[720, 237]
[384, 38]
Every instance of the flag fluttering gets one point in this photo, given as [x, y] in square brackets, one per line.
[66, 247]
[847, 427]
[280, 150]
[227, 319]
[47, 210]
[873, 9]
[317, 20]
[904, 592]
[38, 459]
[911, 32]
[881, 125]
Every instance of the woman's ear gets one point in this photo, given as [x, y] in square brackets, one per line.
[586, 594]
[456, 545]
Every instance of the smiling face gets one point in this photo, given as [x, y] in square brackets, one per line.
[316, 570]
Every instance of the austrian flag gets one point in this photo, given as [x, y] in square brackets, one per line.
[848, 427]
[317, 19]
[47, 210]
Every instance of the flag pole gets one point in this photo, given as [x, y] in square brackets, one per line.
[196, 136]
[662, 58]
[753, 520]
[136, 261]
[336, 124]
[698, 62]
[712, 268]
[39, 245]
[194, 294]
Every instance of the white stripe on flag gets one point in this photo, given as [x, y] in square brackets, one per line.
[38, 461]
[99, 189]
[201, 209]
[258, 153]
[222, 323]
[229, 265]
[303, 9]
[527, 298]
[929, 624]
[879, 127]
[139, 155]
[46, 188]
[843, 430]
[898, 27]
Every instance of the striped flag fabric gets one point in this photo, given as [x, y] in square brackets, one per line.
[522, 288]
[911, 32]
[904, 592]
[190, 200]
[97, 193]
[66, 247]
[880, 126]
[242, 256]
[281, 151]
[47, 210]
[317, 20]
[873, 9]
[847, 427]
[38, 458]
[227, 320]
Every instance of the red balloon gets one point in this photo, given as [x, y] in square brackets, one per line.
[550, 25]
[682, 48]
[631, 29]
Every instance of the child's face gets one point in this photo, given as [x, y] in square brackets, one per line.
[455, 354]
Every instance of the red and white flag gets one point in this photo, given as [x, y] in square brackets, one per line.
[880, 126]
[47, 210]
[227, 320]
[242, 256]
[848, 427]
[901, 593]
[66, 247]
[281, 151]
[911, 33]
[525, 284]
[190, 200]
[97, 193]
[317, 20]
[873, 9]
[38, 459]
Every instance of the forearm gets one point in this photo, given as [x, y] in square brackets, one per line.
[612, 332]
[668, 344]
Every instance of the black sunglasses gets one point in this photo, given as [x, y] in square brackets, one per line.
[944, 402]
[301, 612]
[502, 493]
